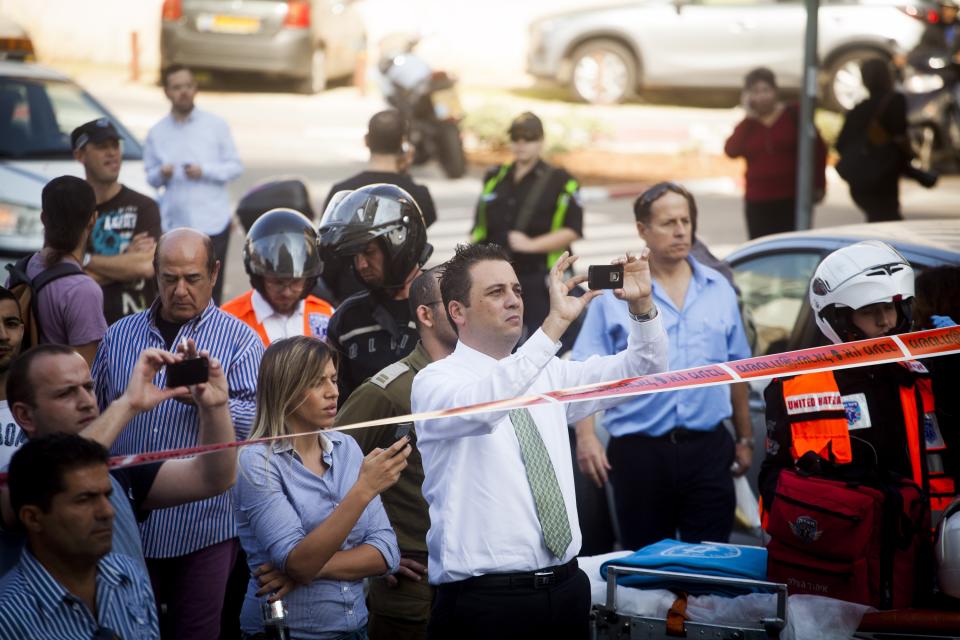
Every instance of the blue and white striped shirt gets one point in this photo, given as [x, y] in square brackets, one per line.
[36, 606]
[177, 531]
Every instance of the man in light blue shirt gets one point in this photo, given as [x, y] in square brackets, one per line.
[670, 456]
[189, 157]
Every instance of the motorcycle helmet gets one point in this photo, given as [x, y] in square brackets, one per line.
[378, 212]
[948, 550]
[282, 243]
[862, 274]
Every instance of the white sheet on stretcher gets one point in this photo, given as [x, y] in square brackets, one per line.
[808, 617]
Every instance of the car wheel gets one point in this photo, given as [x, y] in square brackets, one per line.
[844, 88]
[603, 72]
[316, 80]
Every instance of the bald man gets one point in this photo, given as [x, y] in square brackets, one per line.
[189, 549]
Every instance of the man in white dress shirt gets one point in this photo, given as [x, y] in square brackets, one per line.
[504, 535]
[190, 157]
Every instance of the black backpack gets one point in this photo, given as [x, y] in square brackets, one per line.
[27, 290]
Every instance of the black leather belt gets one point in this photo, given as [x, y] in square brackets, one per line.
[539, 579]
[679, 434]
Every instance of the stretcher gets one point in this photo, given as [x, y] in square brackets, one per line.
[612, 621]
[609, 623]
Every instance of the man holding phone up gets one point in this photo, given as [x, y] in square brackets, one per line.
[670, 455]
[189, 549]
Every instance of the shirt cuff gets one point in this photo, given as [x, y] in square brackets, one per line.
[390, 553]
[648, 331]
[540, 348]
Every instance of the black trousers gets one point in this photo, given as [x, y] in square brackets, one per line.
[679, 482]
[770, 216]
[879, 207]
[557, 612]
[220, 243]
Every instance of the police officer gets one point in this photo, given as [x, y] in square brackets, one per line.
[882, 414]
[532, 209]
[399, 605]
[282, 257]
[380, 227]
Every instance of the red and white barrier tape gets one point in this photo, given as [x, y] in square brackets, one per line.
[901, 348]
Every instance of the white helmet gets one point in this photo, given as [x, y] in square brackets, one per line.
[856, 276]
[948, 550]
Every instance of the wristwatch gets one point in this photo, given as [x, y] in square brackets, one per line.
[745, 440]
[86, 260]
[643, 317]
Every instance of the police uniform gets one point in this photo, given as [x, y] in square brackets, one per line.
[370, 331]
[402, 611]
[884, 412]
[557, 207]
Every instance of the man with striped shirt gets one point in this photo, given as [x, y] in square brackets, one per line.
[69, 585]
[189, 549]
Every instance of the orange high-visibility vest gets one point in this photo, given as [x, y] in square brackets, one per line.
[316, 315]
[818, 423]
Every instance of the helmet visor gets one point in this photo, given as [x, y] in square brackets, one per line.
[290, 254]
[362, 209]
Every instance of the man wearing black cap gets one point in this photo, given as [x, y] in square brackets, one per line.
[533, 209]
[119, 253]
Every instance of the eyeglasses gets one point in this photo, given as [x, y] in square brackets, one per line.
[430, 304]
[524, 138]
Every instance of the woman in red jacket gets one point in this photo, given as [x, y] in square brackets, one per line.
[767, 138]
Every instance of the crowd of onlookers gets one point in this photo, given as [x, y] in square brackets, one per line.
[458, 523]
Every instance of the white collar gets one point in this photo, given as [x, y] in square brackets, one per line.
[263, 310]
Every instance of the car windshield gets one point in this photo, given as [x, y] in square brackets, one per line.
[37, 116]
[773, 290]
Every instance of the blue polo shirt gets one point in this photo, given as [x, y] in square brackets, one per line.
[707, 330]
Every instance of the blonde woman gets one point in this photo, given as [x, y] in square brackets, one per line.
[309, 506]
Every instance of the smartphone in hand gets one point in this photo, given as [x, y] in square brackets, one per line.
[188, 372]
[403, 429]
[605, 276]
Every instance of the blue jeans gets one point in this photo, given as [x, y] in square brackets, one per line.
[356, 634]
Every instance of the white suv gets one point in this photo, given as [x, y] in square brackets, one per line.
[39, 108]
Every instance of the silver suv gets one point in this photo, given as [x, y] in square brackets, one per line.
[606, 54]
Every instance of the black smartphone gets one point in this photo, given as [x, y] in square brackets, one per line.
[188, 372]
[605, 276]
[403, 429]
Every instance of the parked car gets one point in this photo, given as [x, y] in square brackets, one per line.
[39, 108]
[15, 43]
[605, 54]
[773, 274]
[308, 41]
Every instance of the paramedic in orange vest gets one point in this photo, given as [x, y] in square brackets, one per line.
[881, 412]
[282, 258]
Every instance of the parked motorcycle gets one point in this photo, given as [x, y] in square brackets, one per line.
[427, 98]
[930, 84]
